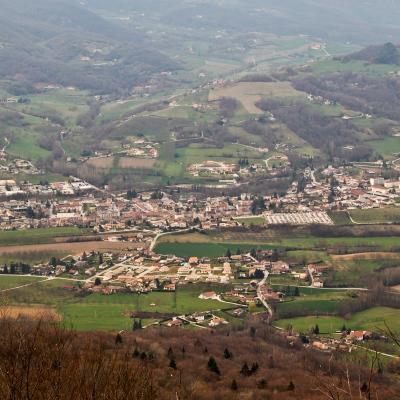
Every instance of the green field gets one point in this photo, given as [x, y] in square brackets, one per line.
[373, 319]
[313, 301]
[31, 257]
[112, 312]
[340, 217]
[251, 220]
[49, 292]
[9, 282]
[306, 256]
[102, 312]
[358, 272]
[37, 236]
[331, 66]
[376, 215]
[211, 250]
[386, 147]
[215, 246]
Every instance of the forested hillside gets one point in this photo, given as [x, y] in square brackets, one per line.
[59, 43]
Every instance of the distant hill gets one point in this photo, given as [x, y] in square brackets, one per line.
[361, 22]
[55, 41]
[387, 53]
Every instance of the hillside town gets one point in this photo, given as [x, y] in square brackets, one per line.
[74, 202]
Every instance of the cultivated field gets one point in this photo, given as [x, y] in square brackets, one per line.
[101, 162]
[64, 248]
[35, 312]
[129, 162]
[38, 236]
[249, 93]
[313, 301]
[269, 238]
[376, 215]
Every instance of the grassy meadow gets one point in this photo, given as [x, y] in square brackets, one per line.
[373, 319]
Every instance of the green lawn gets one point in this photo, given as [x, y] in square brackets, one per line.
[373, 319]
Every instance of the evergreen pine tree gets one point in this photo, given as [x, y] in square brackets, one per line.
[227, 354]
[136, 353]
[245, 371]
[271, 363]
[170, 353]
[118, 339]
[254, 368]
[213, 366]
[262, 384]
[291, 386]
[172, 364]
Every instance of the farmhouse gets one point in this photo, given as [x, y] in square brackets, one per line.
[208, 296]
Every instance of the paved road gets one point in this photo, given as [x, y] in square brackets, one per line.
[259, 294]
[159, 235]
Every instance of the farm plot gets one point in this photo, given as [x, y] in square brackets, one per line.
[376, 215]
[37, 236]
[323, 302]
[37, 312]
[17, 253]
[105, 163]
[133, 163]
[249, 93]
[9, 282]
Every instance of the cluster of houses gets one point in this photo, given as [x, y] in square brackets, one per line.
[76, 202]
[339, 189]
[343, 341]
[141, 149]
[212, 168]
[17, 166]
[9, 188]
